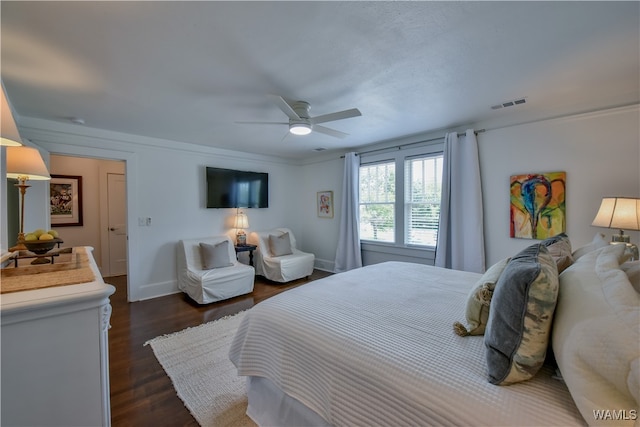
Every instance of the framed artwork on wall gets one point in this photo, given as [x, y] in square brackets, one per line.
[65, 200]
[537, 208]
[325, 204]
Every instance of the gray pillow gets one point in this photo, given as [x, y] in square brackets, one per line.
[280, 244]
[522, 307]
[215, 256]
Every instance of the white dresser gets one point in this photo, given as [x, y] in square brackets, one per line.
[55, 354]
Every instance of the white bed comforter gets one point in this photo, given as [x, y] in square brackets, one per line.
[375, 346]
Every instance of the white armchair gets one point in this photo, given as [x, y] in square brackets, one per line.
[277, 257]
[208, 270]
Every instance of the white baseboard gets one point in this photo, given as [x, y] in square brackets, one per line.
[324, 265]
[155, 290]
[161, 289]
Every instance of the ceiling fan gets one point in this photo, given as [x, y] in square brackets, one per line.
[301, 123]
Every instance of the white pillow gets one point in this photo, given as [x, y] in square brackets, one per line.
[596, 335]
[215, 256]
[632, 268]
[597, 243]
[280, 244]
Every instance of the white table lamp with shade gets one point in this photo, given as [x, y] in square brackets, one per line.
[24, 163]
[240, 224]
[10, 136]
[622, 213]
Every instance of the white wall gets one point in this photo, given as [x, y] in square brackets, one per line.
[166, 182]
[600, 153]
[171, 191]
[321, 234]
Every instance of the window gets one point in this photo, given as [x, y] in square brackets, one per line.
[406, 211]
[377, 202]
[423, 184]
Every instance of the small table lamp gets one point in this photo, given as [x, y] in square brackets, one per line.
[23, 164]
[622, 213]
[240, 224]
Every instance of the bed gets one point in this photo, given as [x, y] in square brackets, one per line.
[375, 346]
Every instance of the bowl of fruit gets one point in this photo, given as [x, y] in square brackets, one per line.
[40, 242]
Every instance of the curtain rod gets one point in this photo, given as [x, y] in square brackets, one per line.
[401, 146]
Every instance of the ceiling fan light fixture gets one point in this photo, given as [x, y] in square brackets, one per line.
[300, 128]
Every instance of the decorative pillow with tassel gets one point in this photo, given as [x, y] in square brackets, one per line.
[478, 301]
[522, 309]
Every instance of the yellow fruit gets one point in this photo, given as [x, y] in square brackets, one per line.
[30, 237]
[54, 233]
[45, 236]
[38, 232]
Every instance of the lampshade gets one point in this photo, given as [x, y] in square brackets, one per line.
[300, 129]
[26, 162]
[10, 135]
[618, 212]
[241, 221]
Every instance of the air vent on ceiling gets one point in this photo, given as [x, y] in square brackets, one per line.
[509, 103]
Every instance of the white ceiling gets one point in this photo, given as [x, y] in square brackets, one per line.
[188, 71]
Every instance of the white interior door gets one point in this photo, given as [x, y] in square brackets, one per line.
[117, 212]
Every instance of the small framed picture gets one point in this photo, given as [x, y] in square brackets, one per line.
[65, 200]
[325, 204]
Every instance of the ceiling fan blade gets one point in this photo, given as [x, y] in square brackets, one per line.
[330, 132]
[346, 114]
[284, 106]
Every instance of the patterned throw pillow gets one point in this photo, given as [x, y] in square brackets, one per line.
[478, 301]
[215, 256]
[560, 249]
[518, 330]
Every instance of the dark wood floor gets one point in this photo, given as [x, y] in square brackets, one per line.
[141, 392]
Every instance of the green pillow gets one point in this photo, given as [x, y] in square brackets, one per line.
[519, 325]
[478, 301]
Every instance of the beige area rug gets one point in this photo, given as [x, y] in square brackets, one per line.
[197, 361]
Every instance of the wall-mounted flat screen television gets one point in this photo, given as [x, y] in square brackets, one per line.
[227, 188]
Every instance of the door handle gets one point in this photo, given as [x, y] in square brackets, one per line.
[112, 229]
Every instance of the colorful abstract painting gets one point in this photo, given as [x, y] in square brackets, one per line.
[538, 205]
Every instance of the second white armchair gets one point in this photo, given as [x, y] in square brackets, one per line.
[278, 258]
